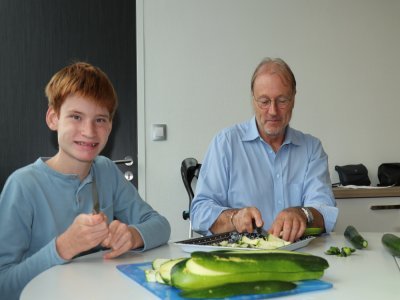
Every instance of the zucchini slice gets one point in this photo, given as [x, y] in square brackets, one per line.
[156, 264]
[165, 269]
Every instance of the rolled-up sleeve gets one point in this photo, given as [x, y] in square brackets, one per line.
[317, 185]
[211, 190]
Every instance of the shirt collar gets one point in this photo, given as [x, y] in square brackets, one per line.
[291, 137]
[41, 163]
[252, 134]
[251, 131]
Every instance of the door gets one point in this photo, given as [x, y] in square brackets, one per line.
[37, 38]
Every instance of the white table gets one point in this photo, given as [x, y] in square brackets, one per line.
[367, 274]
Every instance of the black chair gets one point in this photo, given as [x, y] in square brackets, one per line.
[190, 169]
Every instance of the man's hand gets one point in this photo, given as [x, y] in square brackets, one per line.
[245, 219]
[241, 220]
[86, 232]
[289, 224]
[121, 238]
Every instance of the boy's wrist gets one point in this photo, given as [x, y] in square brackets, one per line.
[63, 251]
[137, 240]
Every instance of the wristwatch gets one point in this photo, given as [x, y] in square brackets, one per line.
[308, 213]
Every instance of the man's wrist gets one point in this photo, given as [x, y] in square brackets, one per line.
[233, 213]
[308, 213]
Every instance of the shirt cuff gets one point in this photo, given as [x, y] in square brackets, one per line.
[55, 257]
[330, 214]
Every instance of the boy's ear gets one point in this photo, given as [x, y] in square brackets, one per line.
[52, 119]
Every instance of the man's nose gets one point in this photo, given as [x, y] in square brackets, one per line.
[273, 108]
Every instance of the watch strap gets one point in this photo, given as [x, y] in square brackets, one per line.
[309, 215]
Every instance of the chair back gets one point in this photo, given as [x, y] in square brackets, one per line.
[190, 170]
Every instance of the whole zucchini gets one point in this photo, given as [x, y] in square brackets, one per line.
[241, 288]
[355, 238]
[391, 243]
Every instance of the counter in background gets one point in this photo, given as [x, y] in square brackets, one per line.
[372, 210]
[379, 192]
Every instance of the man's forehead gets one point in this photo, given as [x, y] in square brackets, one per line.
[268, 73]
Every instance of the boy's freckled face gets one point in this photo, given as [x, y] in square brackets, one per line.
[83, 128]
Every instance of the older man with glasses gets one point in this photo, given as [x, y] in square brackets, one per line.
[263, 173]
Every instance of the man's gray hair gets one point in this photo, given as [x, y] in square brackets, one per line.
[275, 66]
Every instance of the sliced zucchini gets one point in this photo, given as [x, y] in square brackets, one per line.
[193, 277]
[165, 269]
[158, 262]
[211, 269]
[258, 261]
[150, 275]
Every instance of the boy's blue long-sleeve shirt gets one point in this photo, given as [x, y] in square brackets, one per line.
[38, 204]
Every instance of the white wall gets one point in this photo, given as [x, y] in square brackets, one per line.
[196, 58]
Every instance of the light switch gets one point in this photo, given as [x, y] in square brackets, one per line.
[159, 132]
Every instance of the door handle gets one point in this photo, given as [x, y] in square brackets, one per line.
[128, 161]
[383, 207]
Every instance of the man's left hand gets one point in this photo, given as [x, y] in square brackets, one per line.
[289, 224]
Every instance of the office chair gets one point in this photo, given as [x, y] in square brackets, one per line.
[190, 169]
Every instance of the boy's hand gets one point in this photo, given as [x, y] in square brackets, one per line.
[86, 232]
[121, 238]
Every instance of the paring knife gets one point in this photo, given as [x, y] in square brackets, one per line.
[95, 195]
[260, 230]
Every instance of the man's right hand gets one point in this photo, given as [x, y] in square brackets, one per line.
[241, 220]
[245, 219]
[86, 232]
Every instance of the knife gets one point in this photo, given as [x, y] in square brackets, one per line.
[260, 231]
[95, 195]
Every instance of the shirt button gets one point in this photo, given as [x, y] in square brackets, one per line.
[277, 175]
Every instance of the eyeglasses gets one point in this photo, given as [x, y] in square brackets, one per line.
[265, 103]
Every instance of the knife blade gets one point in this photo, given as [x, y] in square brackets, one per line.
[260, 231]
[95, 196]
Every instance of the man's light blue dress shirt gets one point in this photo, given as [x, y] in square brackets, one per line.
[241, 170]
